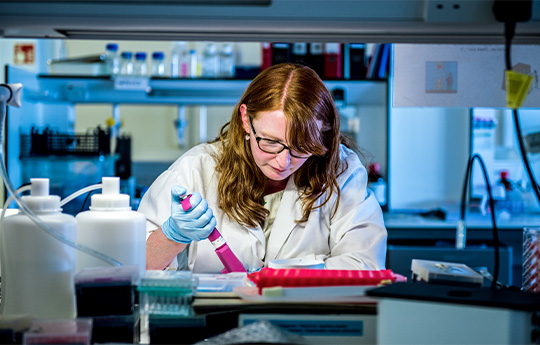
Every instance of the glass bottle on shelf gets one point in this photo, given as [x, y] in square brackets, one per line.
[139, 66]
[210, 61]
[226, 61]
[126, 64]
[158, 64]
[179, 60]
[377, 183]
[112, 60]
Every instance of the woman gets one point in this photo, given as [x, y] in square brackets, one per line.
[279, 182]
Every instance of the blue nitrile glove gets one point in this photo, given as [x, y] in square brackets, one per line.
[194, 224]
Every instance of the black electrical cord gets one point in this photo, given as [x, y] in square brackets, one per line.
[509, 31]
[88, 197]
[86, 200]
[491, 205]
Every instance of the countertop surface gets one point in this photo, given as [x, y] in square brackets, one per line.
[409, 219]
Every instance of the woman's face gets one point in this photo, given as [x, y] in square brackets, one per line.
[271, 125]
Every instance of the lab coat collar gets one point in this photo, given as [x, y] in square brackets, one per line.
[290, 209]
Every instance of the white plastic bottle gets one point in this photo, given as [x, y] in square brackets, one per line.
[194, 65]
[112, 228]
[37, 269]
[179, 60]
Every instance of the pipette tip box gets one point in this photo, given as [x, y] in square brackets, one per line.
[167, 293]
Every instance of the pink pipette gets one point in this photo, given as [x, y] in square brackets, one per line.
[224, 253]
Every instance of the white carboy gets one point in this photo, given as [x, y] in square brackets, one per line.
[37, 269]
[112, 228]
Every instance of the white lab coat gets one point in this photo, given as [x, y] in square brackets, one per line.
[353, 238]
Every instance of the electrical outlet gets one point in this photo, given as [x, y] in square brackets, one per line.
[452, 11]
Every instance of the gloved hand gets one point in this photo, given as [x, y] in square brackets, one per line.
[195, 224]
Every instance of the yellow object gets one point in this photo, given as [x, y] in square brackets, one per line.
[109, 122]
[517, 88]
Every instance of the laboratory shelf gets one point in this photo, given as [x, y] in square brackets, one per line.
[140, 90]
[52, 100]
[134, 90]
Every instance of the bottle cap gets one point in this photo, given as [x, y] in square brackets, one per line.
[227, 48]
[112, 47]
[127, 55]
[39, 199]
[374, 168]
[110, 198]
[158, 56]
[140, 56]
[210, 48]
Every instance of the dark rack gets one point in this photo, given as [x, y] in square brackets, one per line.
[45, 142]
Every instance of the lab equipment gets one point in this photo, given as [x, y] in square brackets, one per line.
[88, 65]
[48, 142]
[308, 262]
[112, 59]
[209, 282]
[194, 224]
[210, 61]
[103, 291]
[179, 60]
[302, 277]
[113, 228]
[140, 67]
[10, 94]
[256, 332]
[226, 61]
[531, 256]
[225, 254]
[167, 293]
[377, 183]
[158, 66]
[126, 63]
[193, 64]
[30, 255]
[435, 314]
[440, 272]
[59, 331]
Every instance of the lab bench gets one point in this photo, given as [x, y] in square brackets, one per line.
[318, 322]
[410, 234]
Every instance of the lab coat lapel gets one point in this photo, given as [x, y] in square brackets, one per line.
[290, 209]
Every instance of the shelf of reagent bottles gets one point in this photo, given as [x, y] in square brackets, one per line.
[104, 89]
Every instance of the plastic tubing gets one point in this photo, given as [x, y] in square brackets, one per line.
[80, 192]
[4, 98]
[10, 199]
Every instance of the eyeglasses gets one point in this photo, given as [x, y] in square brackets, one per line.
[274, 146]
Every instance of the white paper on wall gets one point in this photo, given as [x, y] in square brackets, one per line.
[448, 75]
